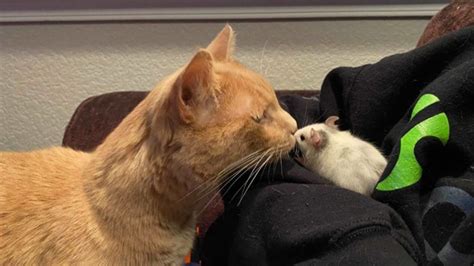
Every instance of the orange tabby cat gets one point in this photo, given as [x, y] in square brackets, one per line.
[131, 201]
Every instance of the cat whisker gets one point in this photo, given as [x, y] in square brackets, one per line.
[229, 179]
[254, 168]
[253, 178]
[207, 204]
[281, 165]
[266, 169]
[234, 177]
[237, 164]
[254, 173]
[255, 161]
[240, 174]
[228, 169]
[252, 164]
[251, 171]
[242, 165]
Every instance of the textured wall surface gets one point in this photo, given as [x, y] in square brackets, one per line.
[46, 70]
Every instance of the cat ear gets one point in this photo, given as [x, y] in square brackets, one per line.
[222, 46]
[332, 121]
[194, 85]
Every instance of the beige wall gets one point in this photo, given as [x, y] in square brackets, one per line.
[46, 70]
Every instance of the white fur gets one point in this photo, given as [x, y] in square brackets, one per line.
[344, 159]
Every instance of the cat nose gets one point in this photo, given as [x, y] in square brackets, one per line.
[293, 126]
[290, 122]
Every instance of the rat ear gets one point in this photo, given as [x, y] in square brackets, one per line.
[314, 138]
[332, 121]
[194, 85]
[223, 44]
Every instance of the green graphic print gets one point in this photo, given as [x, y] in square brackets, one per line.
[407, 171]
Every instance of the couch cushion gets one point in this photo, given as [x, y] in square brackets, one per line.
[97, 116]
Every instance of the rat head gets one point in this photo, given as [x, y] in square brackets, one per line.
[314, 138]
[214, 112]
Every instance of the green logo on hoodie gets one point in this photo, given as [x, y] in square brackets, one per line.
[407, 171]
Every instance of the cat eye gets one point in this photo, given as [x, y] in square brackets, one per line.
[260, 118]
[257, 119]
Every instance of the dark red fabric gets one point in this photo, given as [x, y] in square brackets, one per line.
[97, 116]
[457, 15]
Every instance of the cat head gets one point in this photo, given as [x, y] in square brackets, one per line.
[214, 112]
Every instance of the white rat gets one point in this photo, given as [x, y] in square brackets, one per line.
[340, 157]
